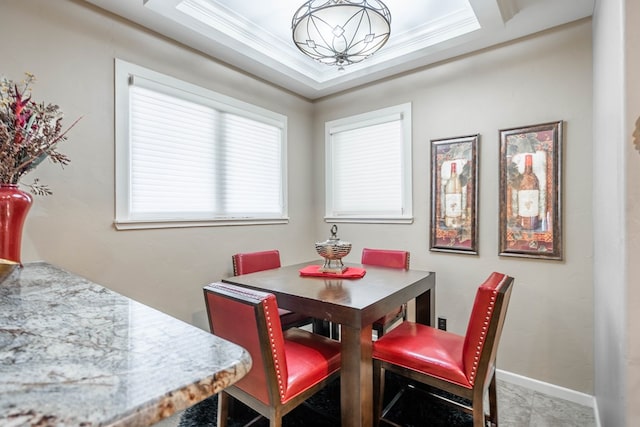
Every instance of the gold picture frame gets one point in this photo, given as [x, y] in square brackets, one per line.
[530, 191]
[454, 195]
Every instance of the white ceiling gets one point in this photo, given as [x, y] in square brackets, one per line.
[255, 35]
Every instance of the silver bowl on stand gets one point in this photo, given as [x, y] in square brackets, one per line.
[333, 250]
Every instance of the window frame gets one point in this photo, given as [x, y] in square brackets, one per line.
[124, 73]
[403, 111]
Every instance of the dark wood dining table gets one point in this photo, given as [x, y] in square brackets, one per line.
[354, 304]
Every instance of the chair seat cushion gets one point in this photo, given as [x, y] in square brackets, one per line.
[424, 349]
[310, 359]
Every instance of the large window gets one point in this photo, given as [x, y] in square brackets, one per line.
[187, 156]
[368, 167]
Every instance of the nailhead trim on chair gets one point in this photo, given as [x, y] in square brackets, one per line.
[273, 350]
[483, 335]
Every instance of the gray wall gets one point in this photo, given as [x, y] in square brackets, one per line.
[548, 333]
[632, 209]
[71, 46]
[608, 191]
[616, 207]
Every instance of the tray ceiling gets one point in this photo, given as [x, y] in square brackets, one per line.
[255, 35]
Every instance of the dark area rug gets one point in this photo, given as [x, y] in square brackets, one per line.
[323, 409]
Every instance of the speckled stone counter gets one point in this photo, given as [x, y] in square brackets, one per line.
[73, 353]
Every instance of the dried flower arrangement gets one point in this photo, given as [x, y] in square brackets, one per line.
[29, 133]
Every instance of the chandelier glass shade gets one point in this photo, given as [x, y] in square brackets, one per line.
[341, 32]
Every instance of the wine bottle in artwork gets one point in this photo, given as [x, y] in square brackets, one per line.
[453, 199]
[528, 196]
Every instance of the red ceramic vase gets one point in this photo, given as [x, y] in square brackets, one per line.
[14, 206]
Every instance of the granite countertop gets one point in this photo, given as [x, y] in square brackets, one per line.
[73, 353]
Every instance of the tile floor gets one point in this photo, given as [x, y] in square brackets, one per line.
[518, 407]
[522, 407]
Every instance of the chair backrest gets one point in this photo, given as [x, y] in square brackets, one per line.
[250, 262]
[385, 258]
[485, 326]
[250, 319]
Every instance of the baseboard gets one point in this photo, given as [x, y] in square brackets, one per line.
[550, 389]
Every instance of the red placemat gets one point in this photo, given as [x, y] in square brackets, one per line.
[349, 273]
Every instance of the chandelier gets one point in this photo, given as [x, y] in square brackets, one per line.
[341, 32]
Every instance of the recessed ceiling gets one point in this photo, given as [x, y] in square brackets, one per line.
[255, 35]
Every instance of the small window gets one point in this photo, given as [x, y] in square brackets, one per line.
[187, 156]
[368, 167]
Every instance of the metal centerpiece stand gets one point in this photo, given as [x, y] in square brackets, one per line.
[333, 250]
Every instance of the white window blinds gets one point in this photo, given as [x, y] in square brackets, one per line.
[173, 156]
[369, 167]
[254, 169]
[191, 157]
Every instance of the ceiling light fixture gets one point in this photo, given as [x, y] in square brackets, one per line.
[341, 32]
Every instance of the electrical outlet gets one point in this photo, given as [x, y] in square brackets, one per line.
[442, 323]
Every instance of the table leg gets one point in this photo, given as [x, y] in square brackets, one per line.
[426, 308]
[356, 377]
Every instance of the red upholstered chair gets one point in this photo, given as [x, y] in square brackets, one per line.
[245, 263]
[393, 259]
[288, 366]
[462, 365]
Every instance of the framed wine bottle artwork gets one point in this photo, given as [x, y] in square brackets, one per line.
[530, 191]
[454, 195]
